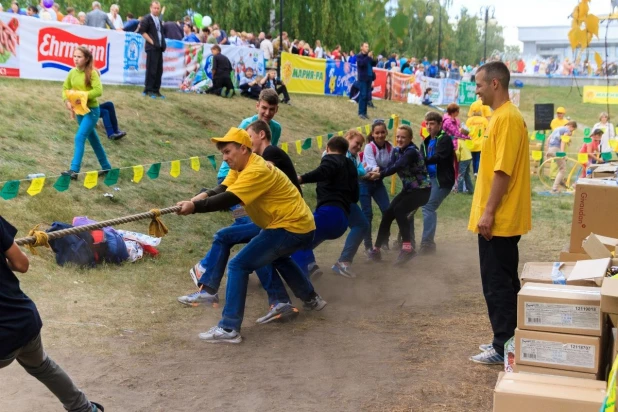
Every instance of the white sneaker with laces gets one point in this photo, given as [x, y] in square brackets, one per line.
[196, 273]
[217, 334]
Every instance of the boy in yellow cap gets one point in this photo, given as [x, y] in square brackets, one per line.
[560, 119]
[274, 204]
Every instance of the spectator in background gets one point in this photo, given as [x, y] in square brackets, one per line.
[272, 82]
[233, 38]
[336, 54]
[15, 9]
[97, 17]
[267, 47]
[318, 50]
[131, 24]
[70, 17]
[352, 58]
[59, 16]
[365, 78]
[609, 133]
[212, 39]
[173, 30]
[114, 17]
[81, 16]
[222, 37]
[249, 85]
[151, 29]
[221, 72]
[392, 62]
[260, 38]
[44, 12]
[190, 37]
[32, 11]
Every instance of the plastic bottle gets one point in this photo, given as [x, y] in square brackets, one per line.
[589, 173]
[35, 175]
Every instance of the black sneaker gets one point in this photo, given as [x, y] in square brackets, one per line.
[363, 117]
[118, 136]
[71, 173]
[97, 407]
[405, 256]
[374, 255]
[314, 271]
[428, 250]
[370, 104]
[316, 303]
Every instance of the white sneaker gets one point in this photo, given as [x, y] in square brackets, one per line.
[198, 298]
[219, 335]
[196, 273]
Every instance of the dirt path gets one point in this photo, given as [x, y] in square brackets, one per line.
[395, 340]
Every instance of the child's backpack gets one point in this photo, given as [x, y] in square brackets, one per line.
[72, 248]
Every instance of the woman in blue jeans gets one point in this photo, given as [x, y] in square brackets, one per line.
[376, 157]
[84, 78]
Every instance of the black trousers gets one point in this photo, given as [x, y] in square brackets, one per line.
[154, 71]
[284, 91]
[404, 203]
[220, 83]
[499, 259]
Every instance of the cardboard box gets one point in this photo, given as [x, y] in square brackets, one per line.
[609, 296]
[558, 351]
[552, 372]
[517, 392]
[562, 273]
[567, 309]
[595, 205]
[566, 256]
[598, 247]
[604, 171]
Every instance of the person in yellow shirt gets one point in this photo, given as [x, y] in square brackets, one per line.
[464, 157]
[560, 119]
[501, 208]
[274, 204]
[476, 126]
[478, 106]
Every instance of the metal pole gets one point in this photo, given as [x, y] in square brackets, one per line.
[439, 35]
[280, 38]
[486, 21]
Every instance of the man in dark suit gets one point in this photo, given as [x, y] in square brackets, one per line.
[151, 28]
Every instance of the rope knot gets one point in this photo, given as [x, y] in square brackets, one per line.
[157, 228]
[41, 239]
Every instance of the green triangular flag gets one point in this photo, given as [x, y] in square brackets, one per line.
[606, 156]
[10, 190]
[307, 144]
[391, 123]
[62, 183]
[587, 132]
[112, 177]
[560, 154]
[540, 136]
[153, 171]
[406, 122]
[587, 139]
[330, 135]
[213, 163]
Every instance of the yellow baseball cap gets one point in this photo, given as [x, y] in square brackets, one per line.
[235, 135]
[561, 110]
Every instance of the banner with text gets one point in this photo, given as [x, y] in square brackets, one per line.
[303, 74]
[601, 94]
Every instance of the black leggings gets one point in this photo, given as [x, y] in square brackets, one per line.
[404, 203]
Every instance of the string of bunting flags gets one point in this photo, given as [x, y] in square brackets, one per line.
[10, 188]
[537, 155]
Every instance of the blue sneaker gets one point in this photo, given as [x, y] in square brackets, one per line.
[160, 96]
[490, 357]
[344, 270]
[153, 96]
[144, 94]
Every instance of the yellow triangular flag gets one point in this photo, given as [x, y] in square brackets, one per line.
[175, 168]
[614, 145]
[195, 163]
[340, 132]
[582, 158]
[537, 155]
[319, 140]
[299, 147]
[91, 179]
[284, 147]
[367, 128]
[36, 186]
[138, 173]
[566, 139]
[360, 129]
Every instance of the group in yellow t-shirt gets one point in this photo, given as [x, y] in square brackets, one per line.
[269, 197]
[506, 149]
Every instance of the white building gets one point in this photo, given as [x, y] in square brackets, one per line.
[553, 41]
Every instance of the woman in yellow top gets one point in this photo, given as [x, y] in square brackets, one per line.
[84, 78]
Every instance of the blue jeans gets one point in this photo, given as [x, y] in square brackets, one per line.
[362, 98]
[358, 228]
[239, 220]
[216, 259]
[108, 114]
[430, 215]
[476, 161]
[331, 222]
[464, 177]
[377, 191]
[270, 246]
[86, 130]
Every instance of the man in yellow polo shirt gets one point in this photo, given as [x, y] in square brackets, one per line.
[275, 205]
[560, 120]
[501, 208]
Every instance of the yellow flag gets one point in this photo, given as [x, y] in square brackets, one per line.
[614, 145]
[582, 158]
[91, 179]
[340, 132]
[36, 186]
[367, 128]
[566, 139]
[195, 163]
[424, 132]
[138, 173]
[299, 147]
[284, 147]
[175, 168]
[319, 139]
[537, 155]
[360, 129]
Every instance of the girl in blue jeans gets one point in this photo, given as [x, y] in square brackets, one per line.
[376, 157]
[84, 78]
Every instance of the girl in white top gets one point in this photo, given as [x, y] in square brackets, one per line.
[609, 132]
[114, 17]
[319, 52]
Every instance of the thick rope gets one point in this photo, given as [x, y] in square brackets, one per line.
[157, 228]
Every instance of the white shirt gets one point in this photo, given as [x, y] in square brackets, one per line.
[319, 52]
[610, 133]
[267, 47]
[117, 21]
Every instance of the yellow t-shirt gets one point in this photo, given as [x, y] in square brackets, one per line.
[269, 197]
[506, 149]
[477, 126]
[463, 151]
[556, 123]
